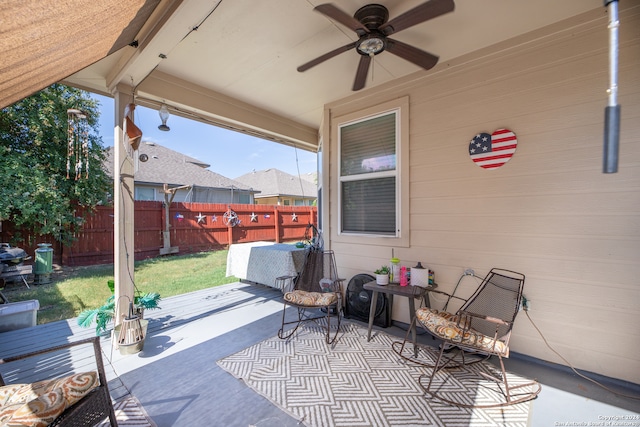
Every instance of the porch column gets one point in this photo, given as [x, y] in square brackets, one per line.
[123, 242]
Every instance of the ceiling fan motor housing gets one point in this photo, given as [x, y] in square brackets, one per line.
[372, 16]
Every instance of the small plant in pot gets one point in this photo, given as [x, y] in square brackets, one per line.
[104, 314]
[382, 275]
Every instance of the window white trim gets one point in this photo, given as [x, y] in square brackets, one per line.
[401, 238]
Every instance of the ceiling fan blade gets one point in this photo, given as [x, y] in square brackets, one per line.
[338, 15]
[412, 54]
[328, 55]
[421, 13]
[361, 74]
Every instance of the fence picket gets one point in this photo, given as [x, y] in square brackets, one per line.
[194, 227]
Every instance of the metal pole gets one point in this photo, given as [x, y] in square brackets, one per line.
[612, 111]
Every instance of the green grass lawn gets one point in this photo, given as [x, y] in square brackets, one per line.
[80, 288]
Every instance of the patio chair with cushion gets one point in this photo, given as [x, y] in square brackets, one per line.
[78, 399]
[316, 294]
[481, 327]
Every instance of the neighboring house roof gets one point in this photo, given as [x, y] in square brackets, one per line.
[166, 166]
[274, 182]
[311, 177]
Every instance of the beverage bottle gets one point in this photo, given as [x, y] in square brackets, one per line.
[394, 276]
[403, 276]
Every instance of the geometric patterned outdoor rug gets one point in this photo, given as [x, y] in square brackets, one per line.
[130, 413]
[358, 383]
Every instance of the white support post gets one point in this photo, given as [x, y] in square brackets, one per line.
[123, 185]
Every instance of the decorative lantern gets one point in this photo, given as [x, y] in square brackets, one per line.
[131, 333]
[164, 116]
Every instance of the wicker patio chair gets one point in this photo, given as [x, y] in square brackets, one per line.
[316, 294]
[45, 399]
[481, 328]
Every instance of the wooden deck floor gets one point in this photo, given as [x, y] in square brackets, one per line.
[178, 382]
[176, 311]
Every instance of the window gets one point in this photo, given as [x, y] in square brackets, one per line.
[244, 198]
[368, 175]
[145, 193]
[373, 173]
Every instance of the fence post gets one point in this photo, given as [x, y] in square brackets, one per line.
[276, 215]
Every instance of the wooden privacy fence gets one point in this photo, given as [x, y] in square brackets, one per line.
[193, 227]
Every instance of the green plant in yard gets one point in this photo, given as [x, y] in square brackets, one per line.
[104, 314]
[74, 290]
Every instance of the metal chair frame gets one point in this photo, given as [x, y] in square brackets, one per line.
[92, 408]
[491, 311]
[318, 265]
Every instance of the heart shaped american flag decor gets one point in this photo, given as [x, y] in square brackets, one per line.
[493, 151]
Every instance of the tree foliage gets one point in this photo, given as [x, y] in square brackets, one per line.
[35, 193]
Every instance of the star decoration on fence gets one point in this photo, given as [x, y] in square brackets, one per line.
[214, 218]
[294, 217]
[201, 218]
[254, 217]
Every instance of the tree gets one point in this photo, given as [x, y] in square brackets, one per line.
[35, 193]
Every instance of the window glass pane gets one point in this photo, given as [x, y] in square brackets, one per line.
[369, 206]
[368, 146]
[144, 193]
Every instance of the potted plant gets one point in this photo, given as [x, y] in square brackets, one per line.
[104, 314]
[382, 275]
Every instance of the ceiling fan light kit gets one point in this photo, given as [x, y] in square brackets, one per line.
[373, 29]
[370, 45]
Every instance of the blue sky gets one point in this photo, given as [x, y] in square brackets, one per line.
[229, 153]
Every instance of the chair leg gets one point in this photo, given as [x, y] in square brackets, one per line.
[399, 348]
[328, 338]
[502, 384]
[519, 397]
[437, 367]
[286, 335]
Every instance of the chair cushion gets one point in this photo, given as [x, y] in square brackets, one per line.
[448, 326]
[311, 299]
[38, 404]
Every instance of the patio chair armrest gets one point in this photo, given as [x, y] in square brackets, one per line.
[95, 341]
[449, 296]
[92, 405]
[483, 317]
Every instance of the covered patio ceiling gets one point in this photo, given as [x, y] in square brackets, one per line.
[233, 62]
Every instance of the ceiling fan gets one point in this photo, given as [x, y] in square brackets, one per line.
[371, 24]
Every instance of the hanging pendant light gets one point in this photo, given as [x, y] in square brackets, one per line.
[164, 116]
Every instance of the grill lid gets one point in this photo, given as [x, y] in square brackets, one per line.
[11, 256]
